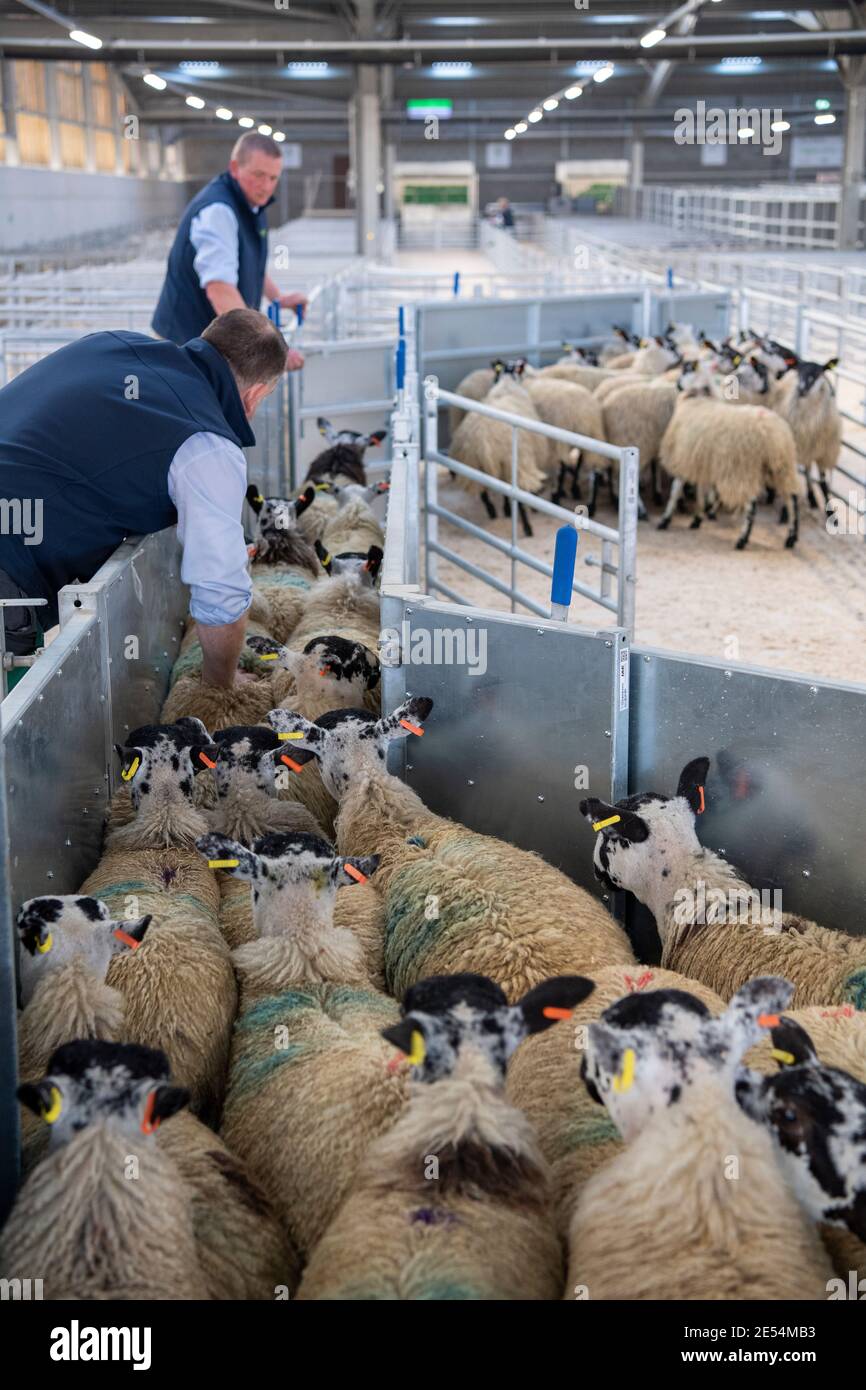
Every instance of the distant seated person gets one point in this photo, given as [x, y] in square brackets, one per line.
[220, 253]
[504, 215]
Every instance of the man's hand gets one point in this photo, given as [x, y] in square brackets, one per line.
[294, 360]
[291, 301]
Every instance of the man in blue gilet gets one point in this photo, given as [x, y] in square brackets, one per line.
[219, 257]
[119, 434]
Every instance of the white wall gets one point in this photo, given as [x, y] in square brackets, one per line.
[42, 207]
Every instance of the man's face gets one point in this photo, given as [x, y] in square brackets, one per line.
[258, 176]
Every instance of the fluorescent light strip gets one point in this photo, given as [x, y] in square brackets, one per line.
[158, 84]
[81, 36]
[196, 102]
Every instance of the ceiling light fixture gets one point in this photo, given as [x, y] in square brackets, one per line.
[573, 92]
[826, 118]
[535, 116]
[81, 36]
[223, 113]
[653, 37]
[602, 74]
[158, 84]
[196, 103]
[551, 104]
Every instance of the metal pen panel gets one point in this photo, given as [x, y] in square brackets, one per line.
[786, 792]
[529, 716]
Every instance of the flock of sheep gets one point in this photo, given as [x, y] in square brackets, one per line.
[299, 1036]
[671, 398]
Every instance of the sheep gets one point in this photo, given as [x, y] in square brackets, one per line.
[454, 1202]
[79, 1223]
[805, 399]
[582, 356]
[340, 465]
[343, 604]
[711, 923]
[622, 343]
[614, 384]
[190, 657]
[217, 706]
[815, 1112]
[475, 386]
[249, 764]
[589, 377]
[576, 1135]
[486, 445]
[353, 528]
[637, 415]
[179, 986]
[736, 453]
[328, 673]
[570, 407]
[308, 1084]
[454, 899]
[285, 565]
[692, 1208]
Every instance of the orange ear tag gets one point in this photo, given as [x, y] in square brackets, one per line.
[355, 873]
[126, 938]
[413, 728]
[551, 1012]
[203, 758]
[768, 1020]
[290, 762]
[148, 1123]
[702, 806]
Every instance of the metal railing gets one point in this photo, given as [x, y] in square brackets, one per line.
[624, 538]
[804, 216]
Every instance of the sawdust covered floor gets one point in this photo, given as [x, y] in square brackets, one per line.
[802, 610]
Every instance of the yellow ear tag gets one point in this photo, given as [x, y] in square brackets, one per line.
[53, 1111]
[322, 487]
[283, 737]
[46, 945]
[268, 656]
[625, 1079]
[600, 824]
[418, 1053]
[326, 561]
[258, 497]
[131, 770]
[786, 1058]
[223, 863]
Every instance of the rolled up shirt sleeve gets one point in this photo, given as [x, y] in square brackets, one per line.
[214, 235]
[207, 483]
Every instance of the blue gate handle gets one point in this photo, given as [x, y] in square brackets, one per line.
[564, 559]
[401, 364]
[274, 312]
[456, 283]
[299, 310]
[670, 277]
[400, 322]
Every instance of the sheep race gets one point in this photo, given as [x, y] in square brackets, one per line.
[456, 892]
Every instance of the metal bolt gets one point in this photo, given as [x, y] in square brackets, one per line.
[409, 767]
[721, 851]
[84, 811]
[469, 782]
[126, 727]
[813, 690]
[50, 873]
[409, 611]
[102, 699]
[647, 658]
[540, 631]
[469, 620]
[608, 644]
[728, 675]
[607, 733]
[165, 653]
[807, 873]
[40, 698]
[67, 842]
[541, 798]
[605, 897]
[11, 789]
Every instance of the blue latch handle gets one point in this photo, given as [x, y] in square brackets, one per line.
[564, 559]
[401, 329]
[401, 364]
[274, 312]
[670, 277]
[299, 310]
[456, 283]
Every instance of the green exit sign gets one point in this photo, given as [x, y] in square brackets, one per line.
[422, 108]
[822, 104]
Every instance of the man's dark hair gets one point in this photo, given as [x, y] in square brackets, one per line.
[255, 143]
[253, 347]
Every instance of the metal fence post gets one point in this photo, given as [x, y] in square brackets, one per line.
[431, 482]
[629, 475]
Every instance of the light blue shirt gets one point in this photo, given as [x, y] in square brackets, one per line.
[207, 483]
[214, 235]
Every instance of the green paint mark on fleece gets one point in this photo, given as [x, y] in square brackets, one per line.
[585, 1129]
[272, 1009]
[437, 1291]
[250, 1074]
[410, 932]
[280, 580]
[855, 989]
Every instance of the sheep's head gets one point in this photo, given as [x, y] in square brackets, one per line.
[363, 567]
[354, 492]
[276, 533]
[122, 1085]
[251, 755]
[334, 663]
[55, 931]
[349, 742]
[817, 1117]
[810, 377]
[777, 358]
[649, 1048]
[162, 760]
[345, 455]
[447, 1016]
[288, 872]
[753, 375]
[643, 839]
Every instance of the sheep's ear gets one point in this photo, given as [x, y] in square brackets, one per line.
[754, 1008]
[163, 1102]
[326, 428]
[406, 719]
[614, 820]
[375, 438]
[400, 1034]
[830, 365]
[325, 559]
[126, 936]
[306, 499]
[195, 728]
[204, 757]
[255, 498]
[223, 853]
[692, 782]
[792, 1045]
[552, 1000]
[131, 760]
[36, 1095]
[353, 869]
[286, 721]
[373, 562]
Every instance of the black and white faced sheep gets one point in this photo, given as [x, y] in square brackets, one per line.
[362, 565]
[816, 1115]
[712, 924]
[159, 764]
[454, 1202]
[284, 564]
[342, 463]
[329, 673]
[454, 898]
[693, 1207]
[308, 1080]
[806, 400]
[106, 1214]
